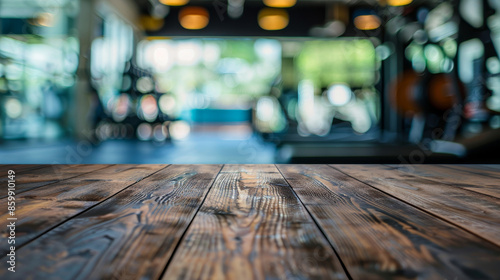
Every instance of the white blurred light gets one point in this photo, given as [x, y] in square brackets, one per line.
[179, 130]
[306, 98]
[211, 53]
[167, 104]
[265, 109]
[159, 55]
[145, 84]
[13, 108]
[144, 131]
[339, 94]
[268, 49]
[189, 53]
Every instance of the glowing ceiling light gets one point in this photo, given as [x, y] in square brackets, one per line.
[193, 18]
[367, 22]
[398, 2]
[280, 3]
[174, 2]
[273, 19]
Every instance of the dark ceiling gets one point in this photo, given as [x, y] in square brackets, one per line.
[304, 16]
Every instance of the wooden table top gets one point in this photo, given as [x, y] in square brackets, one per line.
[253, 222]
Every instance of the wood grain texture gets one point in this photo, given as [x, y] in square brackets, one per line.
[491, 167]
[18, 168]
[472, 182]
[130, 236]
[475, 212]
[380, 237]
[49, 174]
[252, 226]
[491, 170]
[246, 221]
[40, 209]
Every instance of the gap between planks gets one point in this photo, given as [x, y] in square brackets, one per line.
[28, 239]
[317, 224]
[442, 175]
[173, 188]
[33, 183]
[253, 225]
[481, 226]
[371, 230]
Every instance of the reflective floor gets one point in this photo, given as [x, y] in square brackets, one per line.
[199, 148]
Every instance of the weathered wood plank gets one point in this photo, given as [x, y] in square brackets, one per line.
[252, 226]
[18, 168]
[491, 167]
[380, 237]
[250, 168]
[475, 212]
[130, 236]
[477, 170]
[472, 182]
[40, 209]
[48, 175]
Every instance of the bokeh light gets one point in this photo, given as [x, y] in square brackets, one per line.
[273, 19]
[160, 133]
[399, 2]
[145, 84]
[148, 108]
[339, 94]
[144, 131]
[167, 104]
[174, 2]
[13, 108]
[280, 3]
[193, 18]
[179, 130]
[367, 22]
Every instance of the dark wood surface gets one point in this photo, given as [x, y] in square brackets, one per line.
[254, 222]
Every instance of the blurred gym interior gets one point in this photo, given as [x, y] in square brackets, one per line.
[249, 81]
